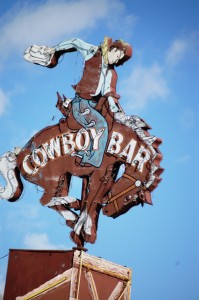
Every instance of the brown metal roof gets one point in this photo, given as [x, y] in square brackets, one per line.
[28, 269]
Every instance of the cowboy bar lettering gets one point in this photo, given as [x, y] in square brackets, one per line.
[68, 142]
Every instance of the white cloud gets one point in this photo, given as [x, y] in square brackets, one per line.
[26, 212]
[181, 48]
[144, 85]
[183, 159]
[3, 102]
[50, 21]
[38, 241]
[33, 23]
[1, 228]
[2, 285]
[29, 211]
[121, 22]
[176, 52]
[187, 119]
[26, 217]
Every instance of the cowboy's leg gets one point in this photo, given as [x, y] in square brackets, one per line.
[80, 109]
[94, 122]
[98, 128]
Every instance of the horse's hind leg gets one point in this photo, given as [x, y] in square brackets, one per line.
[69, 215]
[64, 206]
[60, 205]
[57, 198]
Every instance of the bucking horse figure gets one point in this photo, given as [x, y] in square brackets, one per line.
[50, 159]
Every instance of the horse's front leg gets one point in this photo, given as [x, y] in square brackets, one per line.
[86, 225]
[91, 224]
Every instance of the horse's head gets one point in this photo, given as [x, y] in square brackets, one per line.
[130, 190]
[141, 176]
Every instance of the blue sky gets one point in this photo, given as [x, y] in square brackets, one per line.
[160, 84]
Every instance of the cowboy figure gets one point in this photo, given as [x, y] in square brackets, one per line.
[98, 80]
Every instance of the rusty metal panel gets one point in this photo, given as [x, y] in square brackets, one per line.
[28, 269]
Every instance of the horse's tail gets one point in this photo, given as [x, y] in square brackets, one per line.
[13, 187]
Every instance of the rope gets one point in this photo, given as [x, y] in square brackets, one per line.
[93, 286]
[127, 286]
[112, 199]
[94, 268]
[56, 283]
[79, 277]
[121, 193]
[128, 176]
[4, 256]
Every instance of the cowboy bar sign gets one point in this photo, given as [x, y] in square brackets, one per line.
[92, 140]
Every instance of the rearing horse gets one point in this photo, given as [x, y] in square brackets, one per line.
[50, 158]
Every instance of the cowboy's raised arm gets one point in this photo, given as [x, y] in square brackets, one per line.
[48, 57]
[87, 50]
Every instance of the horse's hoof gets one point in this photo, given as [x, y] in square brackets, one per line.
[76, 205]
[70, 223]
[90, 238]
[76, 239]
